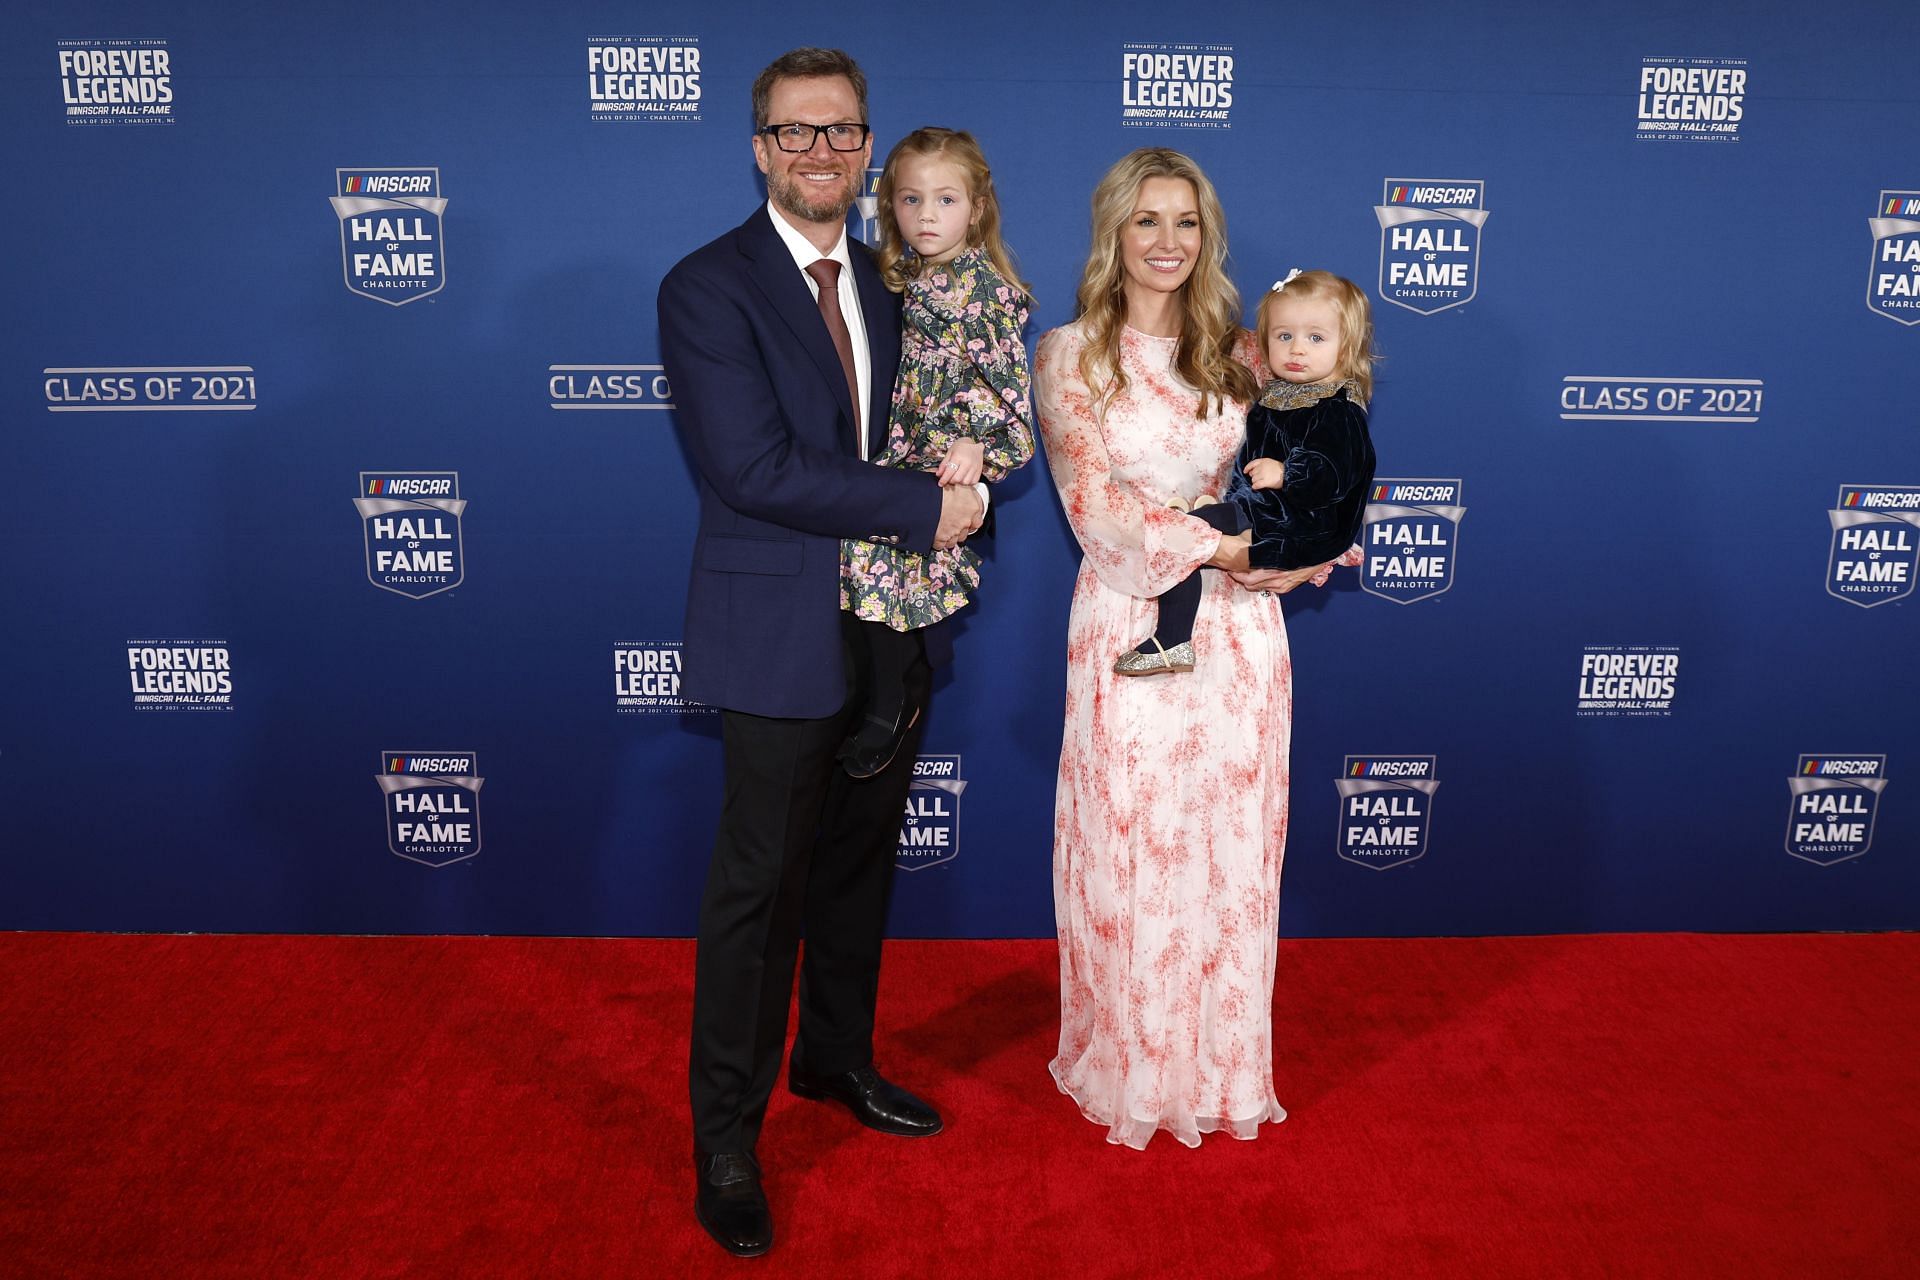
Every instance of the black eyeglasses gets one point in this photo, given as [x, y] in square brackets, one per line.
[801, 137]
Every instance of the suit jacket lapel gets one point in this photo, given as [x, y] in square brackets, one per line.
[776, 276]
[879, 311]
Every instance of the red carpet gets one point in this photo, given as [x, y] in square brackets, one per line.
[265, 1107]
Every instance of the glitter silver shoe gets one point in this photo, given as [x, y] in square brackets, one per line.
[1138, 662]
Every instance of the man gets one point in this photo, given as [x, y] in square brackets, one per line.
[782, 344]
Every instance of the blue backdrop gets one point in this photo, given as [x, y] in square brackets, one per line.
[1638, 618]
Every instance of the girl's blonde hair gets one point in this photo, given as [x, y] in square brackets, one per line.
[1210, 311]
[1356, 323]
[898, 263]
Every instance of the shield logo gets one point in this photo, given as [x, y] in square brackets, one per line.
[1430, 242]
[1386, 809]
[411, 524]
[1411, 534]
[867, 204]
[1893, 281]
[433, 805]
[1875, 553]
[930, 828]
[1834, 801]
[391, 246]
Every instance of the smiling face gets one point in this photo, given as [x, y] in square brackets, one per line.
[816, 185]
[932, 206]
[1302, 339]
[1160, 241]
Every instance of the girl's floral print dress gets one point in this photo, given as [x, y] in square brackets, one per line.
[1170, 816]
[963, 375]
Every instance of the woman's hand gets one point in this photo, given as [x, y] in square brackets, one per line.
[962, 463]
[1281, 581]
[1231, 554]
[1265, 473]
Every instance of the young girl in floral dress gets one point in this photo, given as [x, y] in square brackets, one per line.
[961, 405]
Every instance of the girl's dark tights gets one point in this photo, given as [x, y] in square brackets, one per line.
[1180, 602]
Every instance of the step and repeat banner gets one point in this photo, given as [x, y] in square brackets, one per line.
[346, 529]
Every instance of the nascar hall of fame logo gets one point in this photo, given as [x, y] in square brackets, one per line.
[180, 675]
[411, 520]
[646, 679]
[1876, 530]
[391, 248]
[1834, 801]
[1181, 86]
[608, 386]
[1691, 99]
[125, 388]
[653, 78]
[1386, 808]
[866, 206]
[1628, 680]
[930, 828]
[116, 81]
[1412, 530]
[433, 804]
[1430, 242]
[1893, 282]
[1594, 397]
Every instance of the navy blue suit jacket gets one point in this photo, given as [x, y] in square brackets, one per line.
[763, 412]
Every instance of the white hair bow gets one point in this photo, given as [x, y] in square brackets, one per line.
[1278, 285]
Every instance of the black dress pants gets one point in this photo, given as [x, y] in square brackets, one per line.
[801, 847]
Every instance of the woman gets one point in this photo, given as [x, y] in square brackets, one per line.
[1171, 813]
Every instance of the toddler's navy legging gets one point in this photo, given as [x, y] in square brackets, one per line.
[1180, 602]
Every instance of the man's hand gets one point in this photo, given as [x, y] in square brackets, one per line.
[961, 512]
[963, 463]
[1265, 473]
[1281, 581]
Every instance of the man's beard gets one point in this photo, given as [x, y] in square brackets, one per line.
[790, 193]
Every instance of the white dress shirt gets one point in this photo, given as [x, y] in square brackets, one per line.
[805, 255]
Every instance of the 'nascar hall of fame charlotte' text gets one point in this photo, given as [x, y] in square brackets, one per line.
[432, 805]
[1430, 242]
[1178, 85]
[1876, 542]
[930, 828]
[392, 240]
[1411, 533]
[116, 81]
[1834, 802]
[180, 675]
[1386, 809]
[1893, 281]
[1691, 100]
[411, 524]
[1628, 680]
[652, 79]
[646, 679]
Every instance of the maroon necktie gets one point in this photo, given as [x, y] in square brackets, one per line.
[826, 274]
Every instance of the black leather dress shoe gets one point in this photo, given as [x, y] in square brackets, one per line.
[874, 1101]
[731, 1206]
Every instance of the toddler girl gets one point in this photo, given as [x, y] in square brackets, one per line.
[961, 405]
[1300, 481]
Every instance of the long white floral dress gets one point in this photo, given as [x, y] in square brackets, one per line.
[1170, 818]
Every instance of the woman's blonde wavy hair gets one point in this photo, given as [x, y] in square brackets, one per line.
[1210, 310]
[899, 264]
